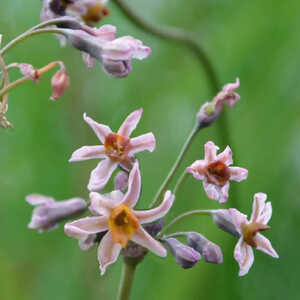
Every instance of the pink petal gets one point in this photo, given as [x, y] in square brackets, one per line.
[224, 193]
[36, 199]
[100, 130]
[144, 239]
[231, 87]
[106, 32]
[243, 254]
[258, 206]
[134, 187]
[89, 225]
[147, 216]
[108, 252]
[87, 242]
[102, 173]
[266, 214]
[130, 123]
[210, 150]
[88, 152]
[215, 192]
[238, 174]
[226, 156]
[238, 219]
[141, 143]
[88, 60]
[263, 244]
[197, 169]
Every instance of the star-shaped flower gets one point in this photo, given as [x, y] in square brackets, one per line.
[215, 172]
[249, 232]
[121, 221]
[118, 148]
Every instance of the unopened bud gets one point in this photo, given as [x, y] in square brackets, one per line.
[154, 228]
[210, 251]
[223, 220]
[185, 256]
[60, 82]
[49, 213]
[121, 181]
[115, 68]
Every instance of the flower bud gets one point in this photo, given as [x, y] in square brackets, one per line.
[154, 228]
[121, 181]
[185, 256]
[223, 219]
[115, 68]
[210, 252]
[60, 82]
[30, 71]
[49, 213]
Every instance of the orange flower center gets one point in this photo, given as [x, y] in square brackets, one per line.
[95, 13]
[218, 173]
[250, 231]
[122, 224]
[117, 147]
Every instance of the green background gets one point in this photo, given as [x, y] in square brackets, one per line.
[257, 41]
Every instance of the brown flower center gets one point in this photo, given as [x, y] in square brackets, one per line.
[95, 13]
[218, 173]
[250, 231]
[122, 224]
[117, 147]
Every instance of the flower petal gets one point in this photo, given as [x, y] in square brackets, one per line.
[197, 169]
[141, 143]
[106, 32]
[210, 150]
[147, 216]
[36, 199]
[108, 252]
[144, 239]
[88, 152]
[263, 244]
[130, 123]
[100, 130]
[134, 187]
[258, 206]
[79, 229]
[266, 214]
[101, 174]
[87, 242]
[226, 156]
[216, 192]
[243, 254]
[238, 174]
[238, 219]
[88, 60]
[224, 193]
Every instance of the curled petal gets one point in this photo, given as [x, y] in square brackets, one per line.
[263, 244]
[108, 252]
[197, 169]
[210, 150]
[100, 130]
[243, 254]
[147, 216]
[238, 219]
[88, 152]
[215, 192]
[130, 123]
[87, 242]
[134, 187]
[36, 199]
[238, 174]
[101, 174]
[226, 156]
[106, 32]
[231, 87]
[144, 239]
[141, 143]
[258, 206]
[266, 214]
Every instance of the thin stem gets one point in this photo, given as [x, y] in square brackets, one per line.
[126, 280]
[180, 181]
[182, 217]
[176, 165]
[5, 78]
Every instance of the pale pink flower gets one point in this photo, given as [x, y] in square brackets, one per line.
[121, 221]
[249, 232]
[215, 172]
[118, 148]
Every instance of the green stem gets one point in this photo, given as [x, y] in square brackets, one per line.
[175, 167]
[126, 280]
[180, 181]
[5, 79]
[12, 85]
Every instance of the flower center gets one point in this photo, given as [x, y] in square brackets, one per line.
[218, 173]
[95, 13]
[122, 224]
[250, 232]
[117, 147]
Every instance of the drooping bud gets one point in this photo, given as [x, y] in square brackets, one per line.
[223, 219]
[121, 181]
[48, 213]
[185, 256]
[60, 82]
[210, 251]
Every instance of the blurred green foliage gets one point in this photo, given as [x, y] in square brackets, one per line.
[258, 41]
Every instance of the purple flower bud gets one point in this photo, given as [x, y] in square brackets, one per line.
[185, 256]
[121, 181]
[210, 252]
[49, 213]
[223, 220]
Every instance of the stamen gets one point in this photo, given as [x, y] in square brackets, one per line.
[250, 232]
[218, 173]
[117, 147]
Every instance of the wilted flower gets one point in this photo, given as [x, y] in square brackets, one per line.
[210, 111]
[59, 82]
[121, 220]
[48, 213]
[215, 172]
[249, 232]
[185, 256]
[118, 148]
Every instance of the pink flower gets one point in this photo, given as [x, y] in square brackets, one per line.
[249, 231]
[118, 148]
[121, 221]
[215, 172]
